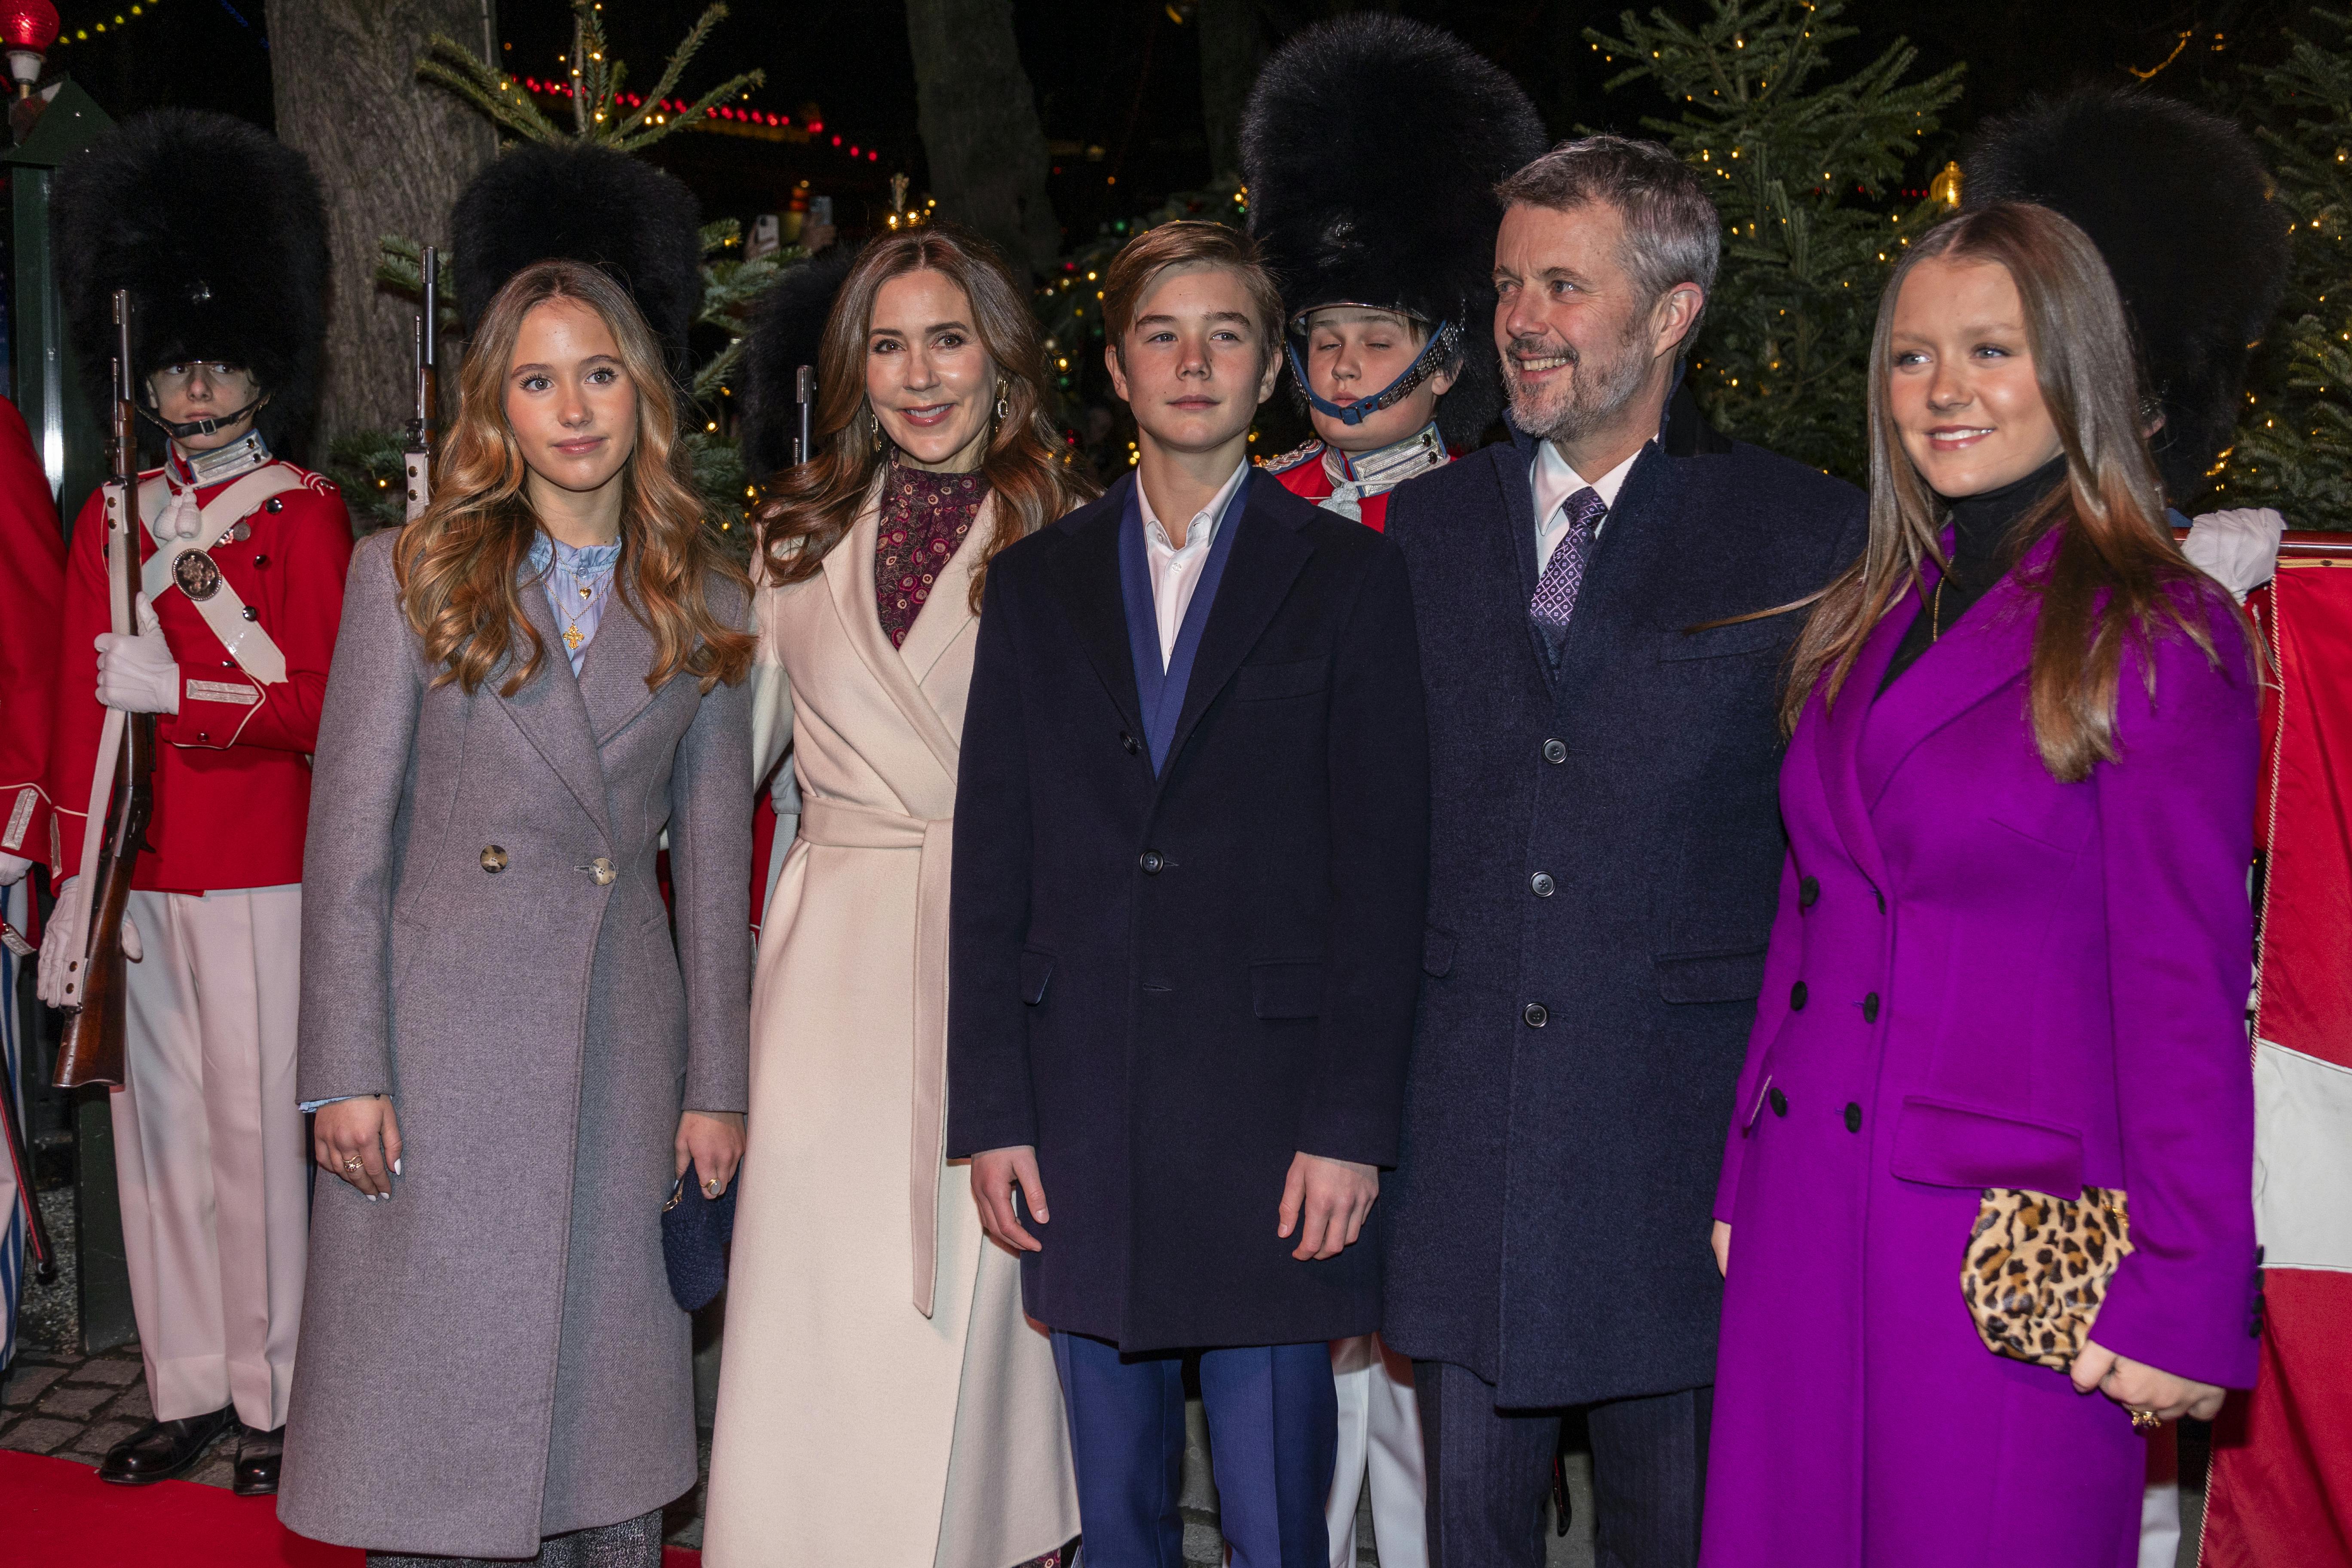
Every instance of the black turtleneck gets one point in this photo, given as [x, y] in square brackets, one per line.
[1980, 525]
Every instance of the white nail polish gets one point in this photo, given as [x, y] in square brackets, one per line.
[396, 1167]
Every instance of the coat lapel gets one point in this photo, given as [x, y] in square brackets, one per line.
[613, 675]
[1268, 555]
[849, 577]
[1648, 493]
[1086, 570]
[1839, 743]
[948, 611]
[552, 712]
[1514, 463]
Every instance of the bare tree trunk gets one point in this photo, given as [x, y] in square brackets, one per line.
[1232, 46]
[979, 120]
[390, 153]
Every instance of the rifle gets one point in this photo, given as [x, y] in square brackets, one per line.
[423, 433]
[91, 1051]
[803, 411]
[36, 1232]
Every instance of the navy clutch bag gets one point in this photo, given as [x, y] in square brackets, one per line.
[696, 1230]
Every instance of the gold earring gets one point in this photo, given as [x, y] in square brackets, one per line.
[874, 423]
[1004, 402]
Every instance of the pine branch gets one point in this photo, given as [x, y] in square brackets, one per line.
[496, 95]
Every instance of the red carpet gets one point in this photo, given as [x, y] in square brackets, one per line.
[59, 1512]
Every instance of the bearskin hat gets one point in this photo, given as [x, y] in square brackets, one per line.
[2178, 204]
[588, 204]
[787, 326]
[1372, 146]
[218, 230]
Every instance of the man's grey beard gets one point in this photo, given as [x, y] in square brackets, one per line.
[1595, 394]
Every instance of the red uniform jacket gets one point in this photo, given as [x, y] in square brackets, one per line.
[35, 550]
[231, 779]
[1305, 477]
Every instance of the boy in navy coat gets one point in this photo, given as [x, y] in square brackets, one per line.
[1191, 854]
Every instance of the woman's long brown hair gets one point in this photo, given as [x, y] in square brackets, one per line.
[810, 506]
[463, 566]
[2116, 575]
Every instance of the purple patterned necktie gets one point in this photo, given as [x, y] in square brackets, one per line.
[1555, 598]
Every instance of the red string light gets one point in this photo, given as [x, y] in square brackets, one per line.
[717, 111]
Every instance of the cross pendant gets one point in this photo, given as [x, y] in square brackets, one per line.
[572, 639]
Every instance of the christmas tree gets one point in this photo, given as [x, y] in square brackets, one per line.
[1806, 170]
[2293, 450]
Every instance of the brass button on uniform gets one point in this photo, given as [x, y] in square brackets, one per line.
[1536, 1015]
[494, 860]
[1808, 891]
[1797, 997]
[1555, 751]
[1541, 885]
[1870, 1008]
[601, 870]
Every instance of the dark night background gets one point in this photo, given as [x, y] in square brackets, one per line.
[1122, 76]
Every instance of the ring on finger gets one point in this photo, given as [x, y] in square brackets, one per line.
[2145, 1421]
[353, 1163]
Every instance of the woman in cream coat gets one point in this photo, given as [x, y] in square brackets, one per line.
[883, 1400]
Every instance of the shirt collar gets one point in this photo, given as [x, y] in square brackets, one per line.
[582, 561]
[1555, 482]
[1203, 530]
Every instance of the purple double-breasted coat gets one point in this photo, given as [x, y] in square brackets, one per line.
[1979, 976]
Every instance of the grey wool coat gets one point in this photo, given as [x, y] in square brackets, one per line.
[493, 1356]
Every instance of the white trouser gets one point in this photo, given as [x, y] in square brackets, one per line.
[2159, 1508]
[208, 1146]
[1380, 1431]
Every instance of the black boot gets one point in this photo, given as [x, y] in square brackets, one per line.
[162, 1450]
[257, 1461]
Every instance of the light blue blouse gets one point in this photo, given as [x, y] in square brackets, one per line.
[579, 580]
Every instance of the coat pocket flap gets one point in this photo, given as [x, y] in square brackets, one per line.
[1036, 968]
[1946, 1145]
[1721, 642]
[1710, 976]
[1286, 989]
[1299, 678]
[1436, 953]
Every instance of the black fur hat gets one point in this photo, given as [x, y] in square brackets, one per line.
[583, 203]
[218, 230]
[2178, 204]
[1371, 147]
[787, 325]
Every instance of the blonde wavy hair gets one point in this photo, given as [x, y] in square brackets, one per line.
[463, 566]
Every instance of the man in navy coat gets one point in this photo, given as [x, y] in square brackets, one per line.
[1606, 849]
[1191, 831]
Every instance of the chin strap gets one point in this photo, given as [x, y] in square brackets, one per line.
[201, 426]
[1435, 356]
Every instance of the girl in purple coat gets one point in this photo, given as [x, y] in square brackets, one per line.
[2012, 950]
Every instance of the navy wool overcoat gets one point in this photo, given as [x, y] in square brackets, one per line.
[1606, 847]
[1170, 985]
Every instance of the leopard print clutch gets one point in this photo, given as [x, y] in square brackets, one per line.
[2038, 1267]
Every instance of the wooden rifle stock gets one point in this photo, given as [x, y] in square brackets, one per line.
[91, 1051]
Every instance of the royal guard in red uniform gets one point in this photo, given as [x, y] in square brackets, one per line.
[1372, 148]
[1380, 227]
[217, 232]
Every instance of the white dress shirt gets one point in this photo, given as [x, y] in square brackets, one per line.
[1175, 573]
[1555, 482]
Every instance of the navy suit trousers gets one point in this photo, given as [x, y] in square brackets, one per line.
[1274, 1437]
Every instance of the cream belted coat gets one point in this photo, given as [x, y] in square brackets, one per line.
[882, 1400]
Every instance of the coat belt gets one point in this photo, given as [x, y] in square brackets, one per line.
[840, 826]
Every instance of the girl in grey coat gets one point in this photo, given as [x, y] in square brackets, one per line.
[532, 681]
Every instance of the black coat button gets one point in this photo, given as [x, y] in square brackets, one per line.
[1151, 861]
[1852, 1117]
[1555, 751]
[261, 561]
[1541, 885]
[1808, 891]
[251, 613]
[1870, 1008]
[1797, 996]
[1536, 1015]
[1128, 742]
[1780, 1101]
[273, 505]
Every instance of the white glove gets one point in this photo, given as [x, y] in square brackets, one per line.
[13, 868]
[138, 674]
[62, 945]
[2237, 549]
[180, 518]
